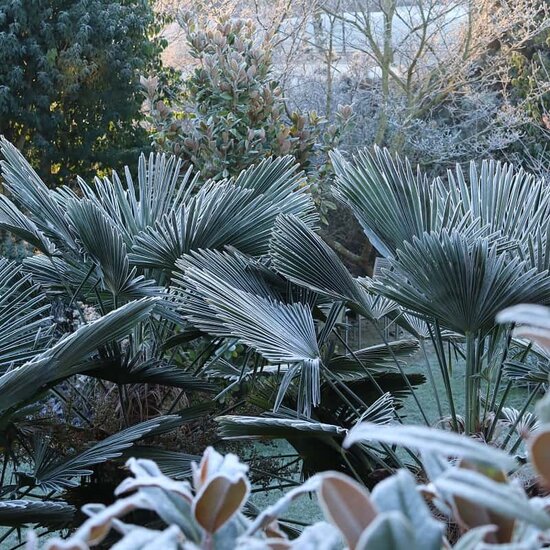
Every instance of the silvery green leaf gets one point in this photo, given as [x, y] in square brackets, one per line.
[399, 493]
[434, 440]
[389, 531]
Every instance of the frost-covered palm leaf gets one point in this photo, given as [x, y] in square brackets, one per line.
[219, 215]
[56, 474]
[377, 359]
[133, 206]
[51, 514]
[236, 269]
[25, 328]
[282, 333]
[171, 463]
[462, 284]
[14, 221]
[391, 202]
[258, 427]
[152, 371]
[303, 257]
[379, 306]
[32, 194]
[62, 360]
[531, 370]
[523, 423]
[279, 182]
[508, 200]
[382, 411]
[54, 274]
[103, 242]
[240, 214]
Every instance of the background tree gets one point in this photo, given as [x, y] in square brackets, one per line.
[229, 112]
[69, 81]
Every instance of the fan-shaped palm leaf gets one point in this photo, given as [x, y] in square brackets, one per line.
[14, 221]
[51, 514]
[133, 206]
[257, 427]
[282, 333]
[303, 257]
[239, 213]
[391, 202]
[31, 193]
[462, 284]
[53, 474]
[508, 200]
[102, 241]
[379, 358]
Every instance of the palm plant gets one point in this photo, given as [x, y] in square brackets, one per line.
[153, 279]
[459, 252]
[178, 271]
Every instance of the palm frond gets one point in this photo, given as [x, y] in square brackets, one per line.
[509, 201]
[462, 284]
[377, 359]
[25, 325]
[173, 464]
[279, 182]
[55, 475]
[242, 272]
[33, 195]
[14, 221]
[133, 206]
[382, 411]
[304, 258]
[102, 241]
[238, 213]
[258, 427]
[55, 274]
[153, 371]
[391, 202]
[63, 359]
[529, 371]
[281, 333]
[53, 514]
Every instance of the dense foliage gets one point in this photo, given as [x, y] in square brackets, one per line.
[229, 112]
[174, 301]
[470, 486]
[69, 81]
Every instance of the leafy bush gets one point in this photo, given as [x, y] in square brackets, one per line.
[229, 113]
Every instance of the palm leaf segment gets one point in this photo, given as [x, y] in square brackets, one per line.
[461, 283]
[394, 204]
[303, 257]
[238, 213]
[64, 359]
[25, 325]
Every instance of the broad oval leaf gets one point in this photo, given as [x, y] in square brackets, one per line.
[219, 500]
[346, 504]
